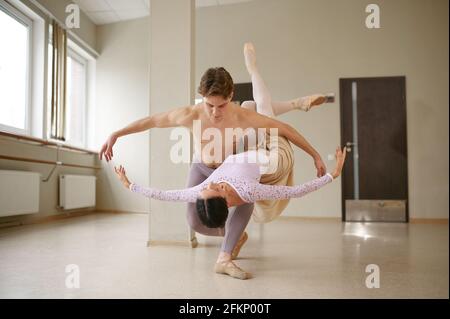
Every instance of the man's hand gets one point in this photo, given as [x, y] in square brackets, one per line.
[107, 148]
[122, 175]
[320, 166]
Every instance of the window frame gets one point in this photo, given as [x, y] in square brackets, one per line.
[27, 22]
[72, 52]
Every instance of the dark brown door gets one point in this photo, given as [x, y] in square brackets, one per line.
[243, 92]
[373, 126]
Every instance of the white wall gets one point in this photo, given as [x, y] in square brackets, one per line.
[86, 31]
[122, 96]
[304, 47]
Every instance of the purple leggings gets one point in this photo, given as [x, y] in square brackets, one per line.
[237, 219]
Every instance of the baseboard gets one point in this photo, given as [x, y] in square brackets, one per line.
[437, 221]
[115, 211]
[312, 218]
[32, 219]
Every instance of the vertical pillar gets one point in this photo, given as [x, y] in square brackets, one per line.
[172, 85]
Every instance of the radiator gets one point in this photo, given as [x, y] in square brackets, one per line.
[19, 192]
[76, 191]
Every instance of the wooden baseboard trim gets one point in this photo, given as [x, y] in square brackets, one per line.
[114, 211]
[30, 220]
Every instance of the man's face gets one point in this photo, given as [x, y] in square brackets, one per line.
[216, 106]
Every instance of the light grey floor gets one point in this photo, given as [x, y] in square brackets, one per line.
[289, 258]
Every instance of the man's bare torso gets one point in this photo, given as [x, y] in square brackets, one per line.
[233, 118]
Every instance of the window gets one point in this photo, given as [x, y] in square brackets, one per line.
[23, 58]
[15, 35]
[76, 99]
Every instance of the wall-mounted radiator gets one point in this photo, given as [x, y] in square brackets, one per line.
[76, 191]
[19, 192]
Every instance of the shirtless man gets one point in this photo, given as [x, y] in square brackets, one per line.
[217, 111]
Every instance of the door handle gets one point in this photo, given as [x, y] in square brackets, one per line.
[349, 146]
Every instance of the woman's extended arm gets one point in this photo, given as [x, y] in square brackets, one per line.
[274, 192]
[181, 195]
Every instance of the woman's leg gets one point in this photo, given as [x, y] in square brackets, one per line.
[234, 228]
[304, 103]
[237, 222]
[261, 94]
[263, 101]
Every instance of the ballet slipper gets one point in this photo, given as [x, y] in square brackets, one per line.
[329, 98]
[307, 102]
[239, 245]
[229, 268]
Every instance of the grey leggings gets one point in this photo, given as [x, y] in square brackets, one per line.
[237, 219]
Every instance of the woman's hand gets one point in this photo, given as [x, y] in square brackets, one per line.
[120, 171]
[340, 159]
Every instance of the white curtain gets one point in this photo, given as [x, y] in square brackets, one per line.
[59, 70]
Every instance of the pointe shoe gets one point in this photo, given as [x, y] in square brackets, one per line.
[229, 268]
[329, 97]
[250, 57]
[239, 245]
[307, 102]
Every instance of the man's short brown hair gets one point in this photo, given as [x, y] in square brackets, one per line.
[216, 81]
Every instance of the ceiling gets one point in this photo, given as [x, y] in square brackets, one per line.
[110, 11]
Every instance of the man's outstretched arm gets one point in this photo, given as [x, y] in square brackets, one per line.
[179, 117]
[256, 120]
